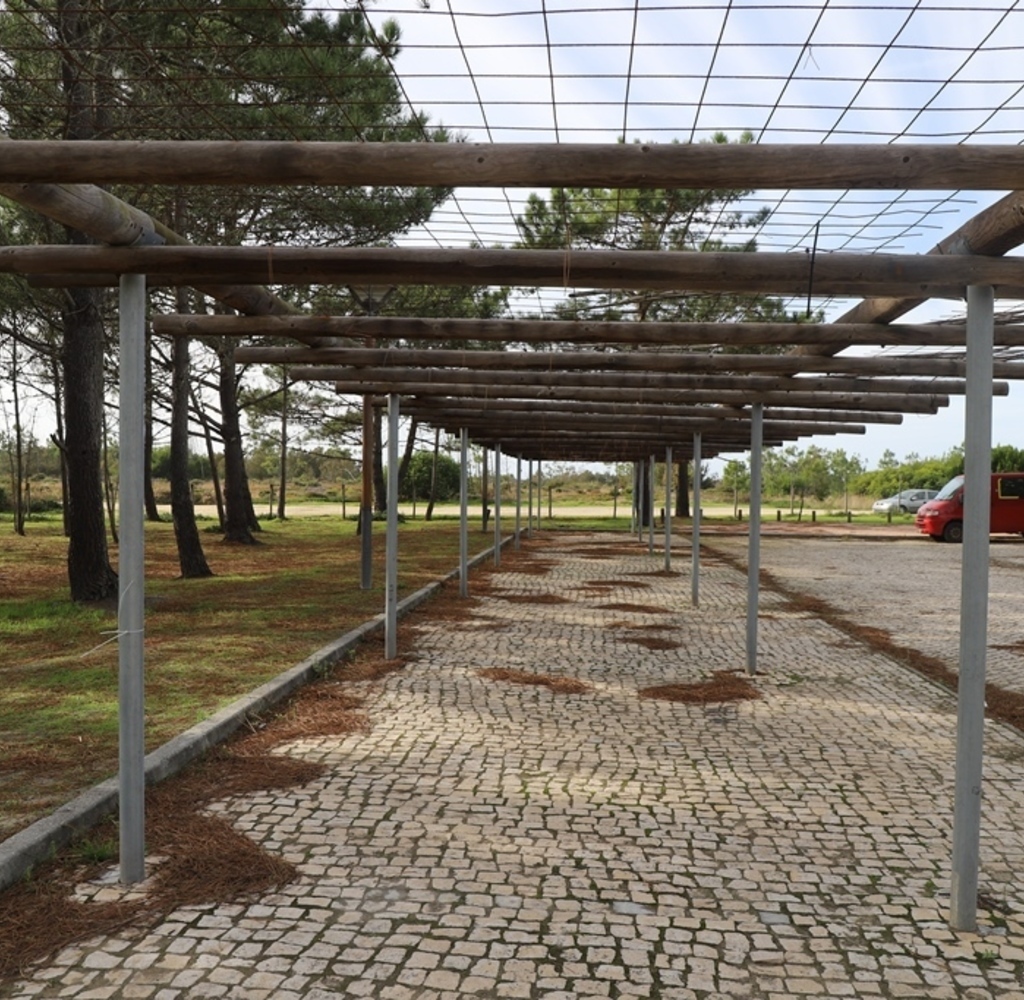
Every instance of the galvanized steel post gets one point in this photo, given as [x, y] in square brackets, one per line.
[754, 545]
[519, 498]
[695, 536]
[391, 542]
[131, 580]
[650, 506]
[464, 515]
[497, 505]
[668, 509]
[970, 727]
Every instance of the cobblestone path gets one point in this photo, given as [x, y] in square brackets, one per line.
[489, 839]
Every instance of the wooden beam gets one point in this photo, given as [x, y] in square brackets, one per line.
[597, 422]
[992, 232]
[639, 380]
[104, 217]
[526, 331]
[755, 273]
[646, 165]
[853, 401]
[618, 361]
[545, 407]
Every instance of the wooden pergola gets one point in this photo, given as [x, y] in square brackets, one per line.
[605, 391]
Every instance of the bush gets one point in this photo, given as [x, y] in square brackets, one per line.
[418, 477]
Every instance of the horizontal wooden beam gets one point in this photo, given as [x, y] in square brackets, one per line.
[525, 331]
[755, 273]
[853, 401]
[617, 361]
[639, 426]
[630, 410]
[639, 380]
[647, 165]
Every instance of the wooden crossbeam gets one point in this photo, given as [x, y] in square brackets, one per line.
[750, 384]
[646, 165]
[544, 407]
[856, 402]
[760, 273]
[526, 331]
[619, 361]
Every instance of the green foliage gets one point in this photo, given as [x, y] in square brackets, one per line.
[198, 465]
[892, 476]
[650, 220]
[1007, 458]
[417, 479]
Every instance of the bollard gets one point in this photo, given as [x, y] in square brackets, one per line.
[739, 514]
[778, 514]
[849, 517]
[814, 516]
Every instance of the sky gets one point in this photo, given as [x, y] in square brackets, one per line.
[799, 71]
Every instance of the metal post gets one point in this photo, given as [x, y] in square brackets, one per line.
[391, 562]
[650, 506]
[529, 499]
[637, 522]
[695, 561]
[519, 498]
[366, 504]
[668, 509]
[131, 580]
[754, 545]
[540, 491]
[636, 493]
[497, 505]
[973, 610]
[464, 516]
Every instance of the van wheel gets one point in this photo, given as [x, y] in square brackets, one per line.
[953, 532]
[903, 510]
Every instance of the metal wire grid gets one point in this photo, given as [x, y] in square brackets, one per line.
[805, 71]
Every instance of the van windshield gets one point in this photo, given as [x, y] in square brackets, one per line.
[951, 488]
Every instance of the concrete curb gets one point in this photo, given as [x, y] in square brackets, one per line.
[44, 838]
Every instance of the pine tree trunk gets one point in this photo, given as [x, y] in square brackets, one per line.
[18, 470]
[683, 491]
[90, 574]
[380, 487]
[283, 483]
[191, 557]
[410, 444]
[238, 513]
[211, 454]
[58, 440]
[433, 476]
[149, 497]
[485, 511]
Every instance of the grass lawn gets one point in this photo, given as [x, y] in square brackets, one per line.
[207, 641]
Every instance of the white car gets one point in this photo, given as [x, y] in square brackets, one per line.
[907, 502]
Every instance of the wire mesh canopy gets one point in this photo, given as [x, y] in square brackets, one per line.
[551, 74]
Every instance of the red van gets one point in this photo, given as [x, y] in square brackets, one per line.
[943, 517]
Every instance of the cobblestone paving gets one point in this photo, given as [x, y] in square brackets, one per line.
[487, 839]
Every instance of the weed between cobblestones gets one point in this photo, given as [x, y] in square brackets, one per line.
[560, 685]
[722, 685]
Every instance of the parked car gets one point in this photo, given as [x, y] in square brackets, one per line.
[907, 502]
[943, 518]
